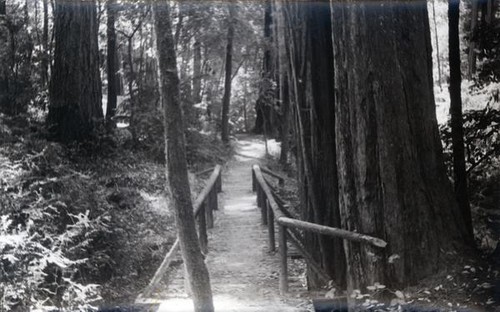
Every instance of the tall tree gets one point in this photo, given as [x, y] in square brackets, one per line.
[45, 44]
[228, 73]
[392, 180]
[75, 87]
[175, 151]
[4, 82]
[264, 106]
[111, 62]
[457, 131]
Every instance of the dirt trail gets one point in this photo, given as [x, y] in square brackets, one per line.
[244, 275]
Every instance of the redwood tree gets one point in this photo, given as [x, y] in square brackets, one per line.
[175, 152]
[75, 87]
[392, 180]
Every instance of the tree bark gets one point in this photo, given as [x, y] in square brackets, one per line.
[75, 88]
[227, 82]
[175, 150]
[436, 42]
[392, 180]
[111, 63]
[457, 131]
[472, 44]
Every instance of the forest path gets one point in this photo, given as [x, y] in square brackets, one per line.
[243, 273]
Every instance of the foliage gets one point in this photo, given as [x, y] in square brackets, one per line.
[48, 227]
[482, 145]
[488, 52]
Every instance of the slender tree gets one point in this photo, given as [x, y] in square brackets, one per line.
[457, 131]
[45, 44]
[75, 87]
[197, 72]
[392, 180]
[228, 73]
[111, 62]
[175, 151]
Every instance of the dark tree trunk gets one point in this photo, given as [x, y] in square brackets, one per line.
[457, 131]
[111, 63]
[228, 75]
[175, 150]
[75, 88]
[4, 83]
[263, 107]
[45, 44]
[313, 82]
[392, 180]
[197, 72]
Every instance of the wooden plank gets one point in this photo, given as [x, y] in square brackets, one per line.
[204, 171]
[330, 231]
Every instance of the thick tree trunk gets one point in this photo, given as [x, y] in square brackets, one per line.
[457, 131]
[227, 82]
[392, 180]
[175, 150]
[197, 72]
[75, 88]
[3, 9]
[111, 64]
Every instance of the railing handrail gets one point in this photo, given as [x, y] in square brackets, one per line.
[286, 224]
[281, 179]
[203, 213]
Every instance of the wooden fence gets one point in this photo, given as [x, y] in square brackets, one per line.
[274, 213]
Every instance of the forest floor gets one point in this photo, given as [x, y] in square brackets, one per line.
[243, 272]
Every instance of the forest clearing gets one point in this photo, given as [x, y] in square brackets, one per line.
[268, 155]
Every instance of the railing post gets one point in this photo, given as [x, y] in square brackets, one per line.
[270, 227]
[202, 229]
[281, 182]
[209, 209]
[219, 182]
[283, 260]
[253, 181]
[263, 206]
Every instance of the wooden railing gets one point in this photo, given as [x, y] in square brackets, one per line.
[274, 213]
[203, 206]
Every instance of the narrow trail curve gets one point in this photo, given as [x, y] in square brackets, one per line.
[243, 273]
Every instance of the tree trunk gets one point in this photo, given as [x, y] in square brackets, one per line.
[175, 150]
[45, 44]
[436, 41]
[263, 107]
[4, 82]
[457, 131]
[75, 88]
[197, 72]
[227, 82]
[392, 180]
[472, 44]
[111, 64]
